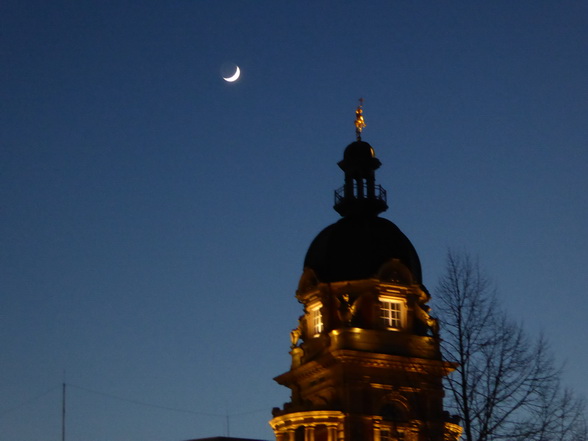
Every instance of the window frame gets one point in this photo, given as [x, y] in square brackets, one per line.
[391, 316]
[316, 323]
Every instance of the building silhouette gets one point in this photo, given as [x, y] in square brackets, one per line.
[366, 362]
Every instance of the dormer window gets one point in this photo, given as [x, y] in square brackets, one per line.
[391, 312]
[316, 319]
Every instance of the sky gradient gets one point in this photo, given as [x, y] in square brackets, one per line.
[154, 218]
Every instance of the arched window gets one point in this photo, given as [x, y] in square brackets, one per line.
[393, 411]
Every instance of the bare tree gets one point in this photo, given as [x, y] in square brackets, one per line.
[506, 385]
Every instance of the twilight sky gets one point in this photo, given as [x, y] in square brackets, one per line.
[154, 218]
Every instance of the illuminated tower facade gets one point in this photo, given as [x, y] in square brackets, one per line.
[366, 363]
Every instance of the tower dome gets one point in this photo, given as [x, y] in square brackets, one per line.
[356, 247]
[359, 151]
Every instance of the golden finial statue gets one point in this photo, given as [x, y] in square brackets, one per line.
[359, 121]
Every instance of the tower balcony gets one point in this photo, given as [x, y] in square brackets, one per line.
[361, 199]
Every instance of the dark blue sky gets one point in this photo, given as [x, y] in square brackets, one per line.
[154, 218]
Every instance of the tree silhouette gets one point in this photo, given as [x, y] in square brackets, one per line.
[507, 384]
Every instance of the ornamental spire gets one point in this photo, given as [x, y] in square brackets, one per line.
[359, 121]
[360, 195]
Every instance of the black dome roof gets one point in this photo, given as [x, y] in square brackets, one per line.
[359, 151]
[356, 247]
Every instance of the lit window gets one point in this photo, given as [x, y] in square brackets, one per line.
[391, 313]
[316, 319]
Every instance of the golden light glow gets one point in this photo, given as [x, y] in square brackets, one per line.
[284, 426]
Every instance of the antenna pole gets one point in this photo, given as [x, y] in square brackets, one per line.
[228, 424]
[63, 412]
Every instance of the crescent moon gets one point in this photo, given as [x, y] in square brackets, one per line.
[234, 77]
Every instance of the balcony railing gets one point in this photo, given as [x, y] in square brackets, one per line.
[379, 194]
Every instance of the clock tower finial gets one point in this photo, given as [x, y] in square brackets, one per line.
[359, 121]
